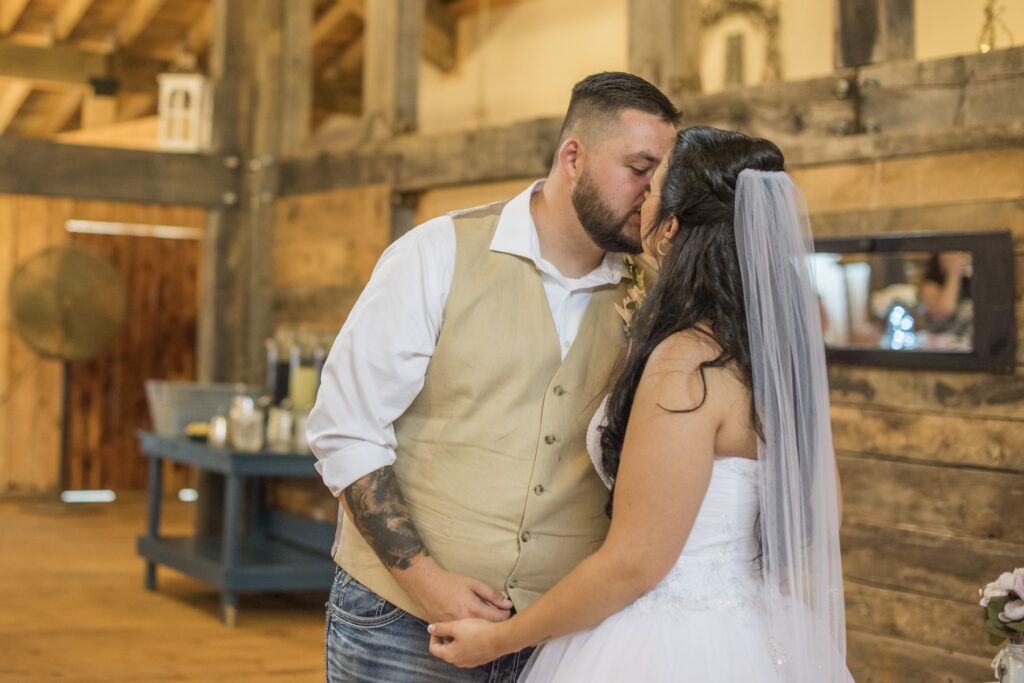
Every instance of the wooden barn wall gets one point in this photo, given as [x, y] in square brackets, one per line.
[932, 463]
[325, 247]
[32, 389]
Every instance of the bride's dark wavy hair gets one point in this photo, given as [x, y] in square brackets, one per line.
[699, 285]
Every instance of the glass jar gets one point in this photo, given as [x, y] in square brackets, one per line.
[245, 424]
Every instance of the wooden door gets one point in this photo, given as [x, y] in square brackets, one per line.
[105, 395]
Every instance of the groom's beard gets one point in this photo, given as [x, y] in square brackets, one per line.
[605, 229]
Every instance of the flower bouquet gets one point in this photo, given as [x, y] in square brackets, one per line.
[1003, 600]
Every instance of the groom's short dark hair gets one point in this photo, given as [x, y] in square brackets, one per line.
[599, 98]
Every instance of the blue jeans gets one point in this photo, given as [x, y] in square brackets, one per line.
[369, 640]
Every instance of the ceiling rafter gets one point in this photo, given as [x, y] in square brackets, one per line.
[68, 17]
[10, 102]
[439, 35]
[10, 12]
[67, 105]
[329, 20]
[198, 37]
[140, 16]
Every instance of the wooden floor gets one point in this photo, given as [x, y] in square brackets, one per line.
[73, 606]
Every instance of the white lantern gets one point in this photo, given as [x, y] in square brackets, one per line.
[184, 112]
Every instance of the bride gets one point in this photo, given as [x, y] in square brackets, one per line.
[722, 560]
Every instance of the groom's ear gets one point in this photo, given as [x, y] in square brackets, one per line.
[570, 156]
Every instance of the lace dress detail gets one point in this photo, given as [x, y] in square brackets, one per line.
[703, 622]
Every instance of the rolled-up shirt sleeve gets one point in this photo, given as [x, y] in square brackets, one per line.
[376, 367]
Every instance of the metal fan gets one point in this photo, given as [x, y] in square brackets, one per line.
[67, 302]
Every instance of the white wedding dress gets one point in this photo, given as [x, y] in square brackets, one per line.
[704, 622]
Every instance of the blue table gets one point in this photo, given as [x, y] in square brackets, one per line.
[278, 552]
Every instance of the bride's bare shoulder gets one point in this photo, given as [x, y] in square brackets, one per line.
[673, 370]
[685, 350]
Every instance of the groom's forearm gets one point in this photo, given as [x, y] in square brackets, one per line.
[376, 506]
[378, 509]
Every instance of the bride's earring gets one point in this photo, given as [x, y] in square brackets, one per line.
[657, 247]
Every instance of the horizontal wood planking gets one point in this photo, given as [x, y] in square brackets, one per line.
[779, 111]
[966, 501]
[936, 216]
[526, 149]
[938, 622]
[921, 181]
[41, 167]
[440, 201]
[325, 248]
[320, 309]
[878, 659]
[966, 394]
[930, 437]
[940, 564]
[813, 152]
[966, 90]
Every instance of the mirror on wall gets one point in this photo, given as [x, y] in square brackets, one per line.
[939, 300]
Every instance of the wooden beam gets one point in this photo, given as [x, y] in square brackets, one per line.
[391, 71]
[296, 79]
[68, 17]
[14, 96]
[463, 7]
[664, 43]
[138, 19]
[10, 12]
[67, 105]
[198, 37]
[329, 20]
[416, 163]
[41, 167]
[98, 110]
[871, 31]
[61, 64]
[439, 35]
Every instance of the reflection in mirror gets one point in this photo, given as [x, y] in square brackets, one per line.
[943, 301]
[905, 301]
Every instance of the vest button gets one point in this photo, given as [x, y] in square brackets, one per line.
[513, 582]
[558, 390]
[538, 489]
[525, 536]
[549, 439]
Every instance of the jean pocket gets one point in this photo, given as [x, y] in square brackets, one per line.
[357, 605]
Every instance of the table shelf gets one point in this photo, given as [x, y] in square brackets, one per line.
[280, 552]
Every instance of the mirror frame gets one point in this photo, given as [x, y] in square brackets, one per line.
[992, 289]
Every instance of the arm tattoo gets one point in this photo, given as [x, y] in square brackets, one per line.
[382, 517]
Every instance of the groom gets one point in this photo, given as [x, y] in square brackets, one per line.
[451, 416]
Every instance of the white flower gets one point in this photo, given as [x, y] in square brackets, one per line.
[1018, 582]
[998, 588]
[1013, 611]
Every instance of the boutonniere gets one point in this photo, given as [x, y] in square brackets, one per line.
[634, 295]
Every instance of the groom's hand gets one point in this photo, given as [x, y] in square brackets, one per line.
[446, 596]
[376, 506]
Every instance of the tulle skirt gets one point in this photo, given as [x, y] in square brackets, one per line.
[653, 645]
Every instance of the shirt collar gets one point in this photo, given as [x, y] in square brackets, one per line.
[516, 234]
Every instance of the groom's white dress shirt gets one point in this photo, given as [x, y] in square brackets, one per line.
[377, 364]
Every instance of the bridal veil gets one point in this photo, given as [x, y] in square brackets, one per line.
[799, 519]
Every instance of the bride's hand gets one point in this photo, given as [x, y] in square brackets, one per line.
[465, 643]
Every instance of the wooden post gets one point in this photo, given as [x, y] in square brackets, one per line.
[664, 44]
[391, 70]
[869, 31]
[261, 68]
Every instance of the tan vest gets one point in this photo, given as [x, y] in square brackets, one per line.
[491, 455]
